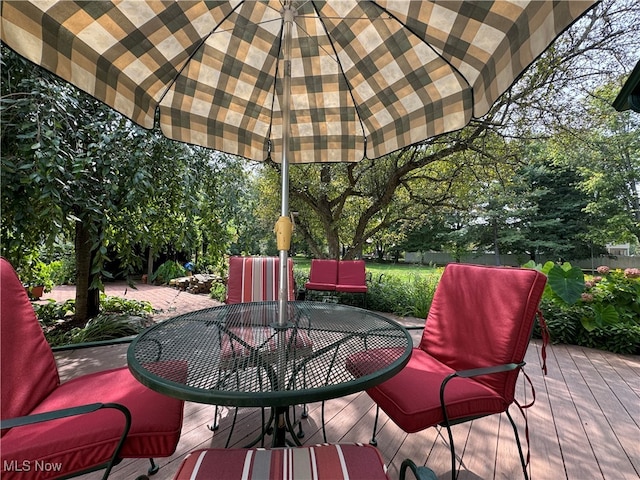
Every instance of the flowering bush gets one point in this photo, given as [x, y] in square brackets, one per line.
[615, 298]
[601, 311]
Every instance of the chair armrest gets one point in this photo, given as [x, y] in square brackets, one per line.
[475, 372]
[74, 411]
[421, 473]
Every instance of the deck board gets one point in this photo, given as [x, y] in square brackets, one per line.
[584, 424]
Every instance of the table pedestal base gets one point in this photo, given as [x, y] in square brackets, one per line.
[279, 424]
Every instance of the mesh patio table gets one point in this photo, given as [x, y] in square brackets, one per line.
[238, 355]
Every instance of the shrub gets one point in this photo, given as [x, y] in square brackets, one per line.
[114, 320]
[103, 327]
[602, 311]
[53, 312]
[122, 305]
[168, 271]
[218, 291]
[402, 297]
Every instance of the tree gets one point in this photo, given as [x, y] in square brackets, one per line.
[351, 203]
[348, 204]
[605, 148]
[73, 167]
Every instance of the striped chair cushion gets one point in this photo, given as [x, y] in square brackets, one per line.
[320, 462]
[256, 279]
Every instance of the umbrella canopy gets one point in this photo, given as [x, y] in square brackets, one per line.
[367, 77]
[295, 81]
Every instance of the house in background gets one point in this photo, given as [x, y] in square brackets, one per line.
[622, 249]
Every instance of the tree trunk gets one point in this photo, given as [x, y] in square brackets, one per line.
[87, 299]
[496, 247]
[150, 264]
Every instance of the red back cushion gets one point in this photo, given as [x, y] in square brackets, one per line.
[28, 369]
[256, 279]
[323, 271]
[483, 316]
[352, 272]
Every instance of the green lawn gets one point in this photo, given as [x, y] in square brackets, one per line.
[399, 270]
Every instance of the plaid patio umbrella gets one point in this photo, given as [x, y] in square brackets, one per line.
[295, 81]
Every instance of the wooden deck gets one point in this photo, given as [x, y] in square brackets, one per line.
[585, 423]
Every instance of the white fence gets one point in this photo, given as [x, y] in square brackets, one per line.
[440, 258]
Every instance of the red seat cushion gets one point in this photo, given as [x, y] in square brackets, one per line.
[90, 439]
[29, 371]
[482, 316]
[412, 397]
[321, 462]
[30, 385]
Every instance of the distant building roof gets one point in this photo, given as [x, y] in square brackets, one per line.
[629, 96]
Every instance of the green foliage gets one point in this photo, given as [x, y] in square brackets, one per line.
[613, 297]
[410, 296]
[388, 295]
[218, 291]
[34, 272]
[114, 320]
[53, 312]
[618, 338]
[565, 281]
[72, 167]
[563, 323]
[565, 284]
[168, 271]
[102, 327]
[606, 314]
[127, 306]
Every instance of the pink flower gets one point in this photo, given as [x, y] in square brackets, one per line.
[589, 284]
[632, 272]
[597, 279]
[587, 297]
[603, 269]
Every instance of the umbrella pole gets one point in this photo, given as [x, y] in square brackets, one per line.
[284, 226]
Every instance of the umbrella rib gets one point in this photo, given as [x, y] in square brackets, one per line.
[408, 28]
[275, 91]
[355, 104]
[202, 42]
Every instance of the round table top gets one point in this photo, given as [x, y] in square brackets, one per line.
[237, 355]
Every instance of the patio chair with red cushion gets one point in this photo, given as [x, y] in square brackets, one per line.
[320, 462]
[52, 429]
[470, 355]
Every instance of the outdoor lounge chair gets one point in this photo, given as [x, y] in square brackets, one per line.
[471, 352]
[320, 462]
[52, 429]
